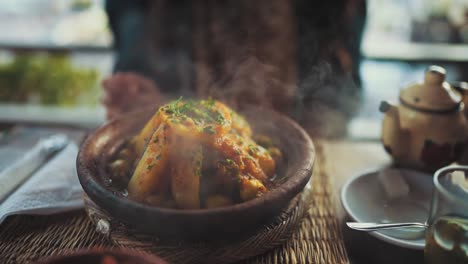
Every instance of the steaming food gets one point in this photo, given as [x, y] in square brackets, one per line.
[196, 154]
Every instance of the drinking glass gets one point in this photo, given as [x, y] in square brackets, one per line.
[447, 236]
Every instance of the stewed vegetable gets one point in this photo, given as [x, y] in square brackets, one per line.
[195, 154]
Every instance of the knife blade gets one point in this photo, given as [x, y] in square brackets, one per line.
[21, 170]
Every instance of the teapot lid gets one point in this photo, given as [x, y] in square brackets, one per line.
[434, 94]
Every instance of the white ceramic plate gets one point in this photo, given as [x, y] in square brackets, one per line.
[365, 200]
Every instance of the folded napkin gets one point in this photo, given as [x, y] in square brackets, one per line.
[54, 188]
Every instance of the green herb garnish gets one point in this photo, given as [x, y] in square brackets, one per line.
[209, 130]
[252, 149]
[220, 118]
[210, 102]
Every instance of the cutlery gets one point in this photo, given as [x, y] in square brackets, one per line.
[17, 173]
[377, 226]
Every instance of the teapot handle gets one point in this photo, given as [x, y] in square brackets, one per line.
[460, 86]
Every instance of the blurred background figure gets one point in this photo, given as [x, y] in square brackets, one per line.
[298, 57]
[333, 59]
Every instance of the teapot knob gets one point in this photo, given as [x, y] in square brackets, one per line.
[435, 75]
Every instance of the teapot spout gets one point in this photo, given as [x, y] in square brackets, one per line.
[385, 106]
[394, 137]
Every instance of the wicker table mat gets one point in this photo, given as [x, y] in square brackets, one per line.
[24, 239]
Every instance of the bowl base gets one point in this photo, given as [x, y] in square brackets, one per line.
[266, 238]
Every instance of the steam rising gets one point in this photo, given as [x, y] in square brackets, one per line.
[268, 53]
[322, 102]
[252, 82]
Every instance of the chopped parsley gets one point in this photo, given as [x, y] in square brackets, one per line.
[252, 149]
[209, 130]
[200, 112]
[150, 166]
[175, 120]
[220, 118]
[210, 102]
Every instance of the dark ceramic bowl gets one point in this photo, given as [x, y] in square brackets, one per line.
[103, 256]
[202, 224]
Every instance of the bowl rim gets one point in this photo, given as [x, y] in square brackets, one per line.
[97, 251]
[293, 185]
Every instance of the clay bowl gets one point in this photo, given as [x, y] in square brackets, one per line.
[103, 256]
[224, 223]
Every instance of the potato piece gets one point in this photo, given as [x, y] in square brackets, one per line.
[250, 188]
[217, 200]
[230, 147]
[266, 162]
[186, 168]
[254, 169]
[149, 175]
[276, 154]
[262, 156]
[227, 146]
[203, 120]
[141, 140]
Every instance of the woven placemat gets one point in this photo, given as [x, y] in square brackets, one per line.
[24, 239]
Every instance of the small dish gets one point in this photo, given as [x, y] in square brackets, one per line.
[364, 200]
[224, 223]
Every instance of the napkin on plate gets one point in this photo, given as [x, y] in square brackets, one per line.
[53, 188]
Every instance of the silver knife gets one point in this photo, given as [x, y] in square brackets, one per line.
[17, 173]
